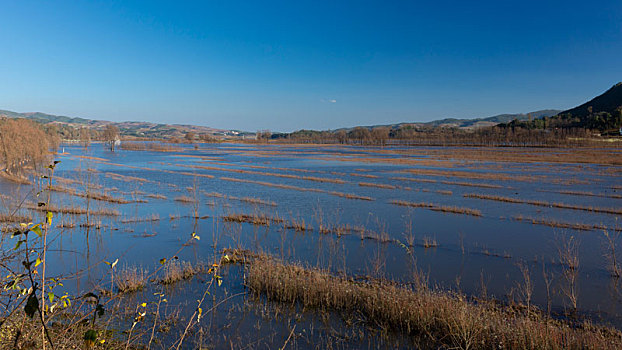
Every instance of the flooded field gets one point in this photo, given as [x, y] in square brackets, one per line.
[521, 226]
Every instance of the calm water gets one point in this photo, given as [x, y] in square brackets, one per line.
[473, 253]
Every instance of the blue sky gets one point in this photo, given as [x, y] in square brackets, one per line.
[288, 65]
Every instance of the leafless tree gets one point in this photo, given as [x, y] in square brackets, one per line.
[111, 135]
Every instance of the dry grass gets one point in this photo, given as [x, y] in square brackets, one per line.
[584, 193]
[251, 200]
[445, 319]
[7, 218]
[156, 196]
[560, 224]
[152, 217]
[176, 271]
[99, 196]
[185, 199]
[126, 178]
[131, 279]
[470, 184]
[429, 242]
[413, 179]
[255, 219]
[19, 179]
[369, 176]
[436, 207]
[370, 184]
[614, 211]
[444, 192]
[149, 146]
[472, 175]
[76, 210]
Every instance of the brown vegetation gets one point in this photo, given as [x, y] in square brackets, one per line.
[24, 143]
[436, 207]
[100, 196]
[251, 200]
[176, 271]
[555, 223]
[443, 319]
[75, 210]
[370, 184]
[614, 211]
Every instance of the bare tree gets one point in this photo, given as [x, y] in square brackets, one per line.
[111, 135]
[380, 135]
[85, 137]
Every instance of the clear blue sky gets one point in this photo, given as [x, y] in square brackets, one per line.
[289, 65]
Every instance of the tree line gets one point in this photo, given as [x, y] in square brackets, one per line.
[24, 143]
[510, 134]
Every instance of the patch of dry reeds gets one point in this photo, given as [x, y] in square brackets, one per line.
[176, 271]
[437, 207]
[370, 184]
[251, 200]
[185, 199]
[560, 224]
[446, 319]
[614, 211]
[131, 279]
[99, 196]
[76, 210]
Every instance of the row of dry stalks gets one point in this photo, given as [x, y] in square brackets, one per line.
[442, 319]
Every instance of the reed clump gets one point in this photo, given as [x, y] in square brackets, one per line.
[446, 319]
[429, 242]
[131, 279]
[437, 207]
[176, 271]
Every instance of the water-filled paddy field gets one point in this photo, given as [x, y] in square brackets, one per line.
[482, 222]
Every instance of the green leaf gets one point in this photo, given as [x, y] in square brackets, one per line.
[37, 229]
[19, 243]
[49, 215]
[32, 305]
[51, 297]
[37, 262]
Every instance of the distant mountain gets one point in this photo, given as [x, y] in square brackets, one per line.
[468, 124]
[134, 129]
[494, 120]
[609, 102]
[602, 113]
